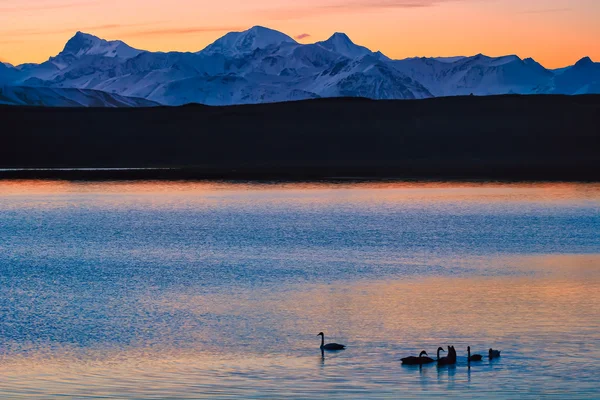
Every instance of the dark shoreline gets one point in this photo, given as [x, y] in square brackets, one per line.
[498, 138]
[507, 176]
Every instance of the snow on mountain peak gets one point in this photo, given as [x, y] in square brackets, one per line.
[235, 44]
[340, 37]
[482, 59]
[263, 65]
[581, 78]
[449, 60]
[530, 62]
[340, 43]
[80, 43]
[83, 44]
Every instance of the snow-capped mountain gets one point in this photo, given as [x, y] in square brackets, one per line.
[366, 76]
[83, 44]
[8, 73]
[84, 62]
[480, 75]
[237, 44]
[340, 43]
[581, 78]
[51, 97]
[262, 65]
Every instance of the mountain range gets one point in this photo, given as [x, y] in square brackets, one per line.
[261, 65]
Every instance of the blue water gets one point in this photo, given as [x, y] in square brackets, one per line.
[203, 290]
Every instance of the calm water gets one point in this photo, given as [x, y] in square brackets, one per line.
[204, 290]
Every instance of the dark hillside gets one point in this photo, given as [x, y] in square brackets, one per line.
[505, 137]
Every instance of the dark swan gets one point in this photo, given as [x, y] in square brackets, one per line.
[438, 352]
[494, 354]
[330, 346]
[474, 357]
[418, 360]
[450, 359]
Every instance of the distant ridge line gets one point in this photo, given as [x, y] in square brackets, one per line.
[262, 65]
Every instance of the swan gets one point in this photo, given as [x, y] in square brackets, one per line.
[330, 346]
[474, 357]
[438, 352]
[450, 359]
[494, 354]
[418, 360]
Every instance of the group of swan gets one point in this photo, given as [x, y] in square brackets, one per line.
[450, 359]
[423, 357]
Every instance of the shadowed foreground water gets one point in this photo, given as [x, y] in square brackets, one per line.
[204, 290]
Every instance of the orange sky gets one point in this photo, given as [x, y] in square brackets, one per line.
[554, 32]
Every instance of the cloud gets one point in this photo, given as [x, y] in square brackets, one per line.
[348, 6]
[183, 31]
[302, 36]
[362, 4]
[546, 11]
[88, 28]
[122, 28]
[18, 6]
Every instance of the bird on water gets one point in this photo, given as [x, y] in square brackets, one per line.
[450, 359]
[412, 360]
[474, 357]
[494, 353]
[438, 352]
[330, 346]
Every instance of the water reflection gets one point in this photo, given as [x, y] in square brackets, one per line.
[520, 316]
[166, 193]
[322, 357]
[204, 290]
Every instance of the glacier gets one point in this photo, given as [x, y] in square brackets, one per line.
[261, 65]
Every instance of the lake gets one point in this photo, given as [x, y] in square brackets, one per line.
[144, 290]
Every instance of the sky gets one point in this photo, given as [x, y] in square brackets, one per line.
[554, 32]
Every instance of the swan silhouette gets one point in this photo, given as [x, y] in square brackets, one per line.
[494, 354]
[450, 359]
[412, 360]
[474, 357]
[330, 346]
[438, 352]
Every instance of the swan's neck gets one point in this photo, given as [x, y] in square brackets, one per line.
[322, 340]
[469, 353]
[438, 354]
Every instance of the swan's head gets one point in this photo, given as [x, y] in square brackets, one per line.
[440, 349]
[321, 334]
[469, 349]
[423, 353]
[491, 351]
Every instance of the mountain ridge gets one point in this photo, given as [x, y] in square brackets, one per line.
[262, 65]
[51, 97]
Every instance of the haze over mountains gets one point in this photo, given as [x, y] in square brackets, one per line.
[262, 65]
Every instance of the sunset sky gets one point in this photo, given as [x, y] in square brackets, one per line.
[554, 32]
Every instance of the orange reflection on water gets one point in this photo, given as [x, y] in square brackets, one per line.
[303, 192]
[543, 320]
